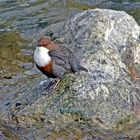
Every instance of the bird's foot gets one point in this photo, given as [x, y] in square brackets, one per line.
[43, 82]
[48, 86]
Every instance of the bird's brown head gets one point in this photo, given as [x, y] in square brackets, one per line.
[44, 41]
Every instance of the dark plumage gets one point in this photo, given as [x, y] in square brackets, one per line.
[62, 60]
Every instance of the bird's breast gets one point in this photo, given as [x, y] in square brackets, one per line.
[47, 69]
[41, 57]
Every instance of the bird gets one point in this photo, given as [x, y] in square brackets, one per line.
[55, 60]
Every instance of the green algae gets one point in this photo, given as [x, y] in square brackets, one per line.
[7, 133]
[10, 54]
[80, 5]
[122, 123]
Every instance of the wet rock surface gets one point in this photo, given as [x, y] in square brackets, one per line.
[105, 100]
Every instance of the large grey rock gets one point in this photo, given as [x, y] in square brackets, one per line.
[107, 43]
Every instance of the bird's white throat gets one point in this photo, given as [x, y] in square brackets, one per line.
[41, 56]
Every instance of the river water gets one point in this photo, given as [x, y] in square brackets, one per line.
[29, 16]
[20, 22]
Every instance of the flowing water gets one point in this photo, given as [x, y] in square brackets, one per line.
[20, 22]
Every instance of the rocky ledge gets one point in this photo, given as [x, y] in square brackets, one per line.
[107, 42]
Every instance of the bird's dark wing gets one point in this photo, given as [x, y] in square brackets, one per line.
[58, 54]
[59, 58]
[59, 70]
[68, 58]
[60, 62]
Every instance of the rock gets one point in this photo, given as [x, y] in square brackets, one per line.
[107, 42]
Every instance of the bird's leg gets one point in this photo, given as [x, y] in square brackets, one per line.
[57, 82]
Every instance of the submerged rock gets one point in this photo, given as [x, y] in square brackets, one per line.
[107, 42]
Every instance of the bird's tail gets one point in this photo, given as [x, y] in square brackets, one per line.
[82, 68]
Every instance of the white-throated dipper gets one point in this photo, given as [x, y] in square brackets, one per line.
[55, 61]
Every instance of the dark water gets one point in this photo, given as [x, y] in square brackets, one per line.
[20, 22]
